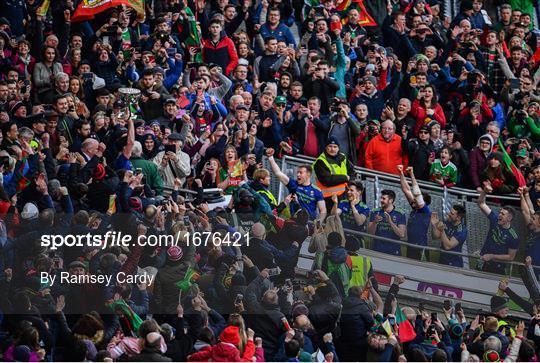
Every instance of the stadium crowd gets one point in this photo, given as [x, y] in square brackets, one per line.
[133, 122]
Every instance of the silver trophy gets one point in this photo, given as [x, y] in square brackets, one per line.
[130, 97]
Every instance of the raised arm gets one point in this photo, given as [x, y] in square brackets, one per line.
[130, 139]
[404, 185]
[417, 194]
[482, 203]
[321, 206]
[275, 168]
[524, 201]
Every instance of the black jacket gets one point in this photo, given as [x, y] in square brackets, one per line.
[419, 153]
[263, 318]
[356, 320]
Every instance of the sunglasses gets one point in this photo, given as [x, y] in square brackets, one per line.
[423, 132]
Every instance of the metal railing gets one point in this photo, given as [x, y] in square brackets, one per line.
[459, 192]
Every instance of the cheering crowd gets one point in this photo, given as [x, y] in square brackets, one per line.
[141, 120]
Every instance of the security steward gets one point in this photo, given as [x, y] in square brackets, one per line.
[261, 184]
[332, 172]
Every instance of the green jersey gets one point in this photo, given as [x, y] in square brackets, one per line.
[448, 172]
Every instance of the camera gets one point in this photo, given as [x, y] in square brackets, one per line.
[162, 37]
[520, 115]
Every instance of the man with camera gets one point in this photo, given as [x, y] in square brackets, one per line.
[173, 163]
[344, 128]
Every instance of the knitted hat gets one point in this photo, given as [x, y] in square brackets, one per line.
[332, 141]
[299, 309]
[174, 253]
[230, 335]
[491, 356]
[30, 211]
[498, 303]
[370, 79]
[99, 172]
[456, 329]
[76, 264]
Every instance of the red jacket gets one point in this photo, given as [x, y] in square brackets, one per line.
[385, 155]
[223, 53]
[224, 352]
[419, 113]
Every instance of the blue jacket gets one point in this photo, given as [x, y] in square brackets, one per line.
[282, 33]
[218, 107]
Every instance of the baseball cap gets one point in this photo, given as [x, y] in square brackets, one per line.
[280, 100]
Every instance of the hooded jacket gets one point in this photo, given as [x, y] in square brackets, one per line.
[222, 53]
[478, 161]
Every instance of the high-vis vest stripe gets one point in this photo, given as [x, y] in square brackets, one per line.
[335, 169]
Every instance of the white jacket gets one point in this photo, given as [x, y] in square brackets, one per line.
[182, 169]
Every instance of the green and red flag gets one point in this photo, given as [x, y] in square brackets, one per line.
[87, 9]
[511, 166]
[364, 19]
[190, 277]
[406, 330]
[133, 319]
[194, 38]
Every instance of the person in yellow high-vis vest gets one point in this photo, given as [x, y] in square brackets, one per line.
[332, 171]
[261, 184]
[361, 266]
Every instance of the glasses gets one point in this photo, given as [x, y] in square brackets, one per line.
[280, 105]
[423, 132]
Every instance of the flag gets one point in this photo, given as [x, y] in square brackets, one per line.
[236, 168]
[511, 166]
[112, 204]
[43, 8]
[133, 319]
[387, 327]
[364, 19]
[194, 38]
[190, 277]
[406, 330]
[87, 9]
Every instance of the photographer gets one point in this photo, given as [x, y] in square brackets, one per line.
[173, 163]
[521, 125]
[344, 128]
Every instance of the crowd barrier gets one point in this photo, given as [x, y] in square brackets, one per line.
[442, 199]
